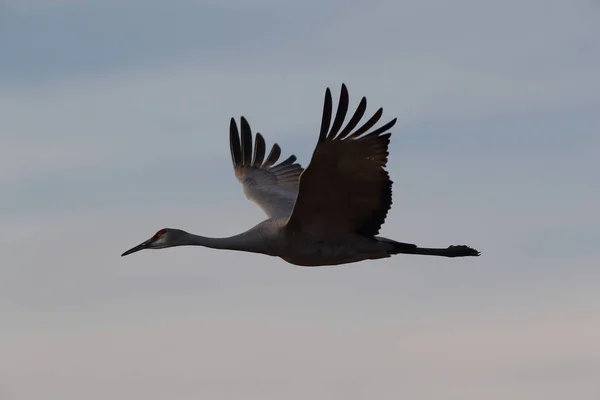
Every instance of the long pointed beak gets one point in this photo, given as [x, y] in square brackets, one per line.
[139, 247]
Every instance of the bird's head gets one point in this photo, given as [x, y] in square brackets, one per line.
[165, 237]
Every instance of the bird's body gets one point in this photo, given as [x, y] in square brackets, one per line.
[272, 237]
[310, 250]
[327, 214]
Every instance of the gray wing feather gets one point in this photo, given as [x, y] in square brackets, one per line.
[273, 187]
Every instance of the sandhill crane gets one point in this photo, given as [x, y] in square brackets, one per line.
[327, 214]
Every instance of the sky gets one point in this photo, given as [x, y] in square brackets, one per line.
[115, 123]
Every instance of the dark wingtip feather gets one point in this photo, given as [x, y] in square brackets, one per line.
[368, 125]
[288, 161]
[259, 150]
[326, 118]
[383, 128]
[273, 156]
[234, 143]
[358, 114]
[340, 114]
[246, 142]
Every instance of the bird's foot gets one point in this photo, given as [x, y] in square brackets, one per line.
[462, 251]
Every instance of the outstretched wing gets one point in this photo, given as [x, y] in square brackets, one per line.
[345, 188]
[272, 186]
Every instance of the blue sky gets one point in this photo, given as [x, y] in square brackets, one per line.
[115, 124]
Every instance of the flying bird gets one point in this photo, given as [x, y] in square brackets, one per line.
[327, 214]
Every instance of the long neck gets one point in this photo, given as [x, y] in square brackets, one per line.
[243, 242]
